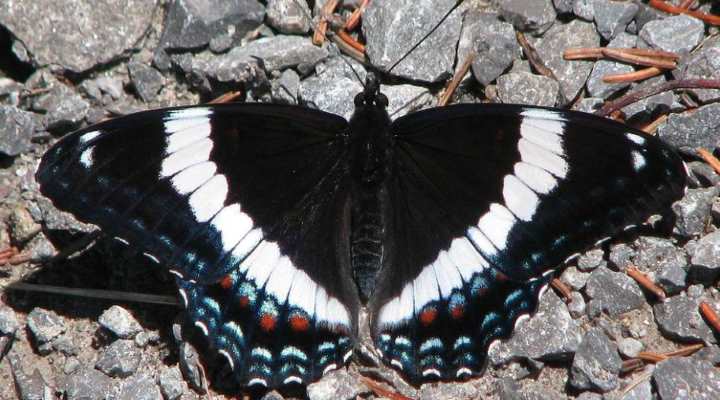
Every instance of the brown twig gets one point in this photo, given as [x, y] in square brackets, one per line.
[631, 365]
[669, 8]
[381, 391]
[634, 76]
[710, 315]
[562, 288]
[636, 59]
[653, 126]
[345, 37]
[710, 159]
[354, 19]
[653, 90]
[226, 97]
[651, 357]
[645, 282]
[580, 53]
[320, 32]
[684, 351]
[348, 49]
[533, 57]
[452, 86]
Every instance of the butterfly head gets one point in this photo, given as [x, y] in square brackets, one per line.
[371, 96]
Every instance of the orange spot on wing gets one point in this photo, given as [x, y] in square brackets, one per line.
[244, 301]
[298, 323]
[428, 315]
[267, 322]
[226, 282]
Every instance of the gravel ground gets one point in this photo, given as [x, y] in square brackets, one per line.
[67, 64]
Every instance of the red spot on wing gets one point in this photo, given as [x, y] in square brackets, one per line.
[299, 323]
[267, 322]
[244, 301]
[457, 312]
[226, 282]
[428, 315]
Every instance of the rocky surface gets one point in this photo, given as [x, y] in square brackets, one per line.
[65, 65]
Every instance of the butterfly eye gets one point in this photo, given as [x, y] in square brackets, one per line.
[382, 100]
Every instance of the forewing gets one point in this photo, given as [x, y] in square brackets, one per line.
[485, 200]
[246, 204]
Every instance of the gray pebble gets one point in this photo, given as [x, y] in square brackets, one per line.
[171, 383]
[652, 105]
[621, 255]
[288, 16]
[284, 90]
[550, 334]
[692, 212]
[491, 41]
[596, 364]
[8, 321]
[536, 16]
[704, 173]
[574, 278]
[21, 224]
[591, 260]
[704, 62]
[31, 387]
[45, 325]
[705, 260]
[589, 396]
[577, 306]
[333, 94]
[16, 130]
[527, 88]
[72, 364]
[630, 347]
[692, 130]
[642, 391]
[653, 254]
[677, 34]
[77, 35]
[221, 43]
[392, 27]
[404, 99]
[449, 390]
[120, 359]
[563, 6]
[678, 319]
[584, 9]
[595, 84]
[62, 107]
[337, 385]
[147, 80]
[611, 17]
[672, 278]
[588, 104]
[87, 383]
[612, 292]
[141, 387]
[686, 378]
[120, 322]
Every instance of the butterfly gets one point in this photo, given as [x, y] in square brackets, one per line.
[279, 222]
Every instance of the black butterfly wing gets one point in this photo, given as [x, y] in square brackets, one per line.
[485, 199]
[247, 205]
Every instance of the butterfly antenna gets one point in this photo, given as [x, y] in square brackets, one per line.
[447, 14]
[325, 36]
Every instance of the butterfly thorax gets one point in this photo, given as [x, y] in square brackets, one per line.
[370, 155]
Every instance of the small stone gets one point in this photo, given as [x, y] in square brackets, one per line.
[678, 318]
[676, 34]
[584, 9]
[621, 255]
[642, 391]
[404, 99]
[80, 35]
[65, 344]
[492, 42]
[333, 94]
[191, 24]
[591, 260]
[704, 173]
[692, 212]
[549, 334]
[31, 387]
[449, 390]
[141, 387]
[120, 322]
[72, 364]
[272, 395]
[110, 86]
[710, 354]
[611, 17]
[535, 16]
[62, 107]
[391, 27]
[704, 265]
[22, 225]
[596, 364]
[142, 339]
[574, 278]
[577, 305]
[630, 347]
[686, 378]
[288, 16]
[45, 325]
[16, 130]
[147, 80]
[120, 359]
[87, 383]
[171, 383]
[672, 278]
[571, 74]
[8, 321]
[527, 88]
[692, 130]
[595, 84]
[702, 63]
[612, 292]
[654, 253]
[563, 6]
[284, 90]
[221, 43]
[337, 385]
[191, 367]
